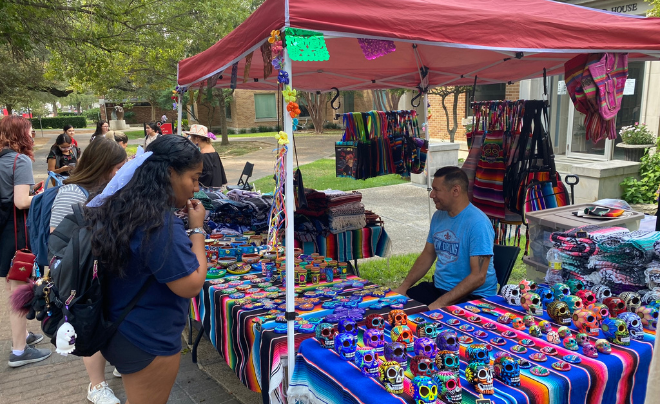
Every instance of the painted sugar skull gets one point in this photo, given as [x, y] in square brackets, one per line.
[449, 387]
[603, 346]
[650, 297]
[649, 316]
[615, 305]
[375, 321]
[403, 334]
[529, 320]
[374, 338]
[546, 295]
[601, 292]
[586, 322]
[573, 302]
[346, 345]
[511, 294]
[564, 331]
[365, 360]
[559, 313]
[325, 334]
[396, 351]
[424, 390]
[600, 311]
[347, 325]
[531, 302]
[447, 361]
[575, 285]
[553, 337]
[634, 324]
[391, 375]
[582, 338]
[546, 326]
[589, 350]
[570, 343]
[428, 330]
[560, 290]
[481, 376]
[425, 346]
[398, 317]
[527, 286]
[507, 370]
[518, 323]
[535, 331]
[632, 300]
[421, 365]
[447, 340]
[478, 353]
[616, 331]
[586, 296]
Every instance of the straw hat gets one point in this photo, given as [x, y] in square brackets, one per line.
[198, 130]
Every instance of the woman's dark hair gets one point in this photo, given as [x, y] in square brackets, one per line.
[61, 139]
[99, 129]
[67, 127]
[142, 204]
[93, 170]
[155, 127]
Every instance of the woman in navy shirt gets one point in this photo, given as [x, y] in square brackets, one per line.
[138, 237]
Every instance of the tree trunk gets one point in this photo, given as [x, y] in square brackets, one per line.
[10, 109]
[377, 96]
[55, 108]
[153, 110]
[79, 107]
[315, 106]
[452, 132]
[223, 118]
[393, 100]
[444, 107]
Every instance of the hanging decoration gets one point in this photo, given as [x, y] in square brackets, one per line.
[293, 109]
[283, 77]
[234, 76]
[277, 216]
[306, 46]
[282, 138]
[246, 70]
[267, 57]
[175, 98]
[375, 48]
[290, 95]
[295, 124]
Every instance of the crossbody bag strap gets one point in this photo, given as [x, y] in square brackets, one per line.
[115, 325]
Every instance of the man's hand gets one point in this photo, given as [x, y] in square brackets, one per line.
[436, 305]
[401, 290]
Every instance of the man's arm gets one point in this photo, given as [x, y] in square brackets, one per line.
[476, 278]
[419, 269]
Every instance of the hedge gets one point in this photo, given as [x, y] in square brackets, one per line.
[59, 122]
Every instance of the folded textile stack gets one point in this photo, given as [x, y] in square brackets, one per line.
[575, 251]
[345, 211]
[239, 211]
[372, 218]
[317, 204]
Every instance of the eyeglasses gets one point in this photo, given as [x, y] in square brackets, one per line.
[65, 148]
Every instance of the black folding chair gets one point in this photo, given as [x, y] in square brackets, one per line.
[504, 258]
[243, 184]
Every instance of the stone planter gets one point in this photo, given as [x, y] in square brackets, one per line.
[633, 152]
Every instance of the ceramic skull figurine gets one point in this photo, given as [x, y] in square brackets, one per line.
[403, 334]
[325, 334]
[632, 300]
[346, 345]
[564, 331]
[553, 337]
[589, 350]
[649, 316]
[560, 290]
[559, 313]
[570, 343]
[531, 302]
[346, 325]
[529, 320]
[398, 317]
[634, 324]
[391, 375]
[546, 295]
[396, 351]
[650, 297]
[424, 390]
[421, 365]
[616, 331]
[527, 286]
[447, 340]
[429, 330]
[365, 360]
[615, 305]
[511, 294]
[535, 331]
[546, 326]
[447, 361]
[575, 285]
[586, 296]
[426, 347]
[374, 338]
[478, 353]
[573, 302]
[601, 292]
[518, 323]
[582, 338]
[603, 346]
[449, 387]
[586, 322]
[375, 321]
[507, 370]
[600, 311]
[481, 376]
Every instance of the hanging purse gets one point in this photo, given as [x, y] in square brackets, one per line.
[22, 264]
[346, 151]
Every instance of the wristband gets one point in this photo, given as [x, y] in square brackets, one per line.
[196, 230]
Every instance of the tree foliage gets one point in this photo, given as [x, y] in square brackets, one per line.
[445, 92]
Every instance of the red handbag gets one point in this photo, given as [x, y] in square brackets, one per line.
[22, 266]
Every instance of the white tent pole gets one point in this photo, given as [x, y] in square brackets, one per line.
[428, 155]
[179, 115]
[289, 201]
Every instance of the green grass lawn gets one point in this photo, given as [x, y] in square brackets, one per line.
[131, 149]
[321, 175]
[134, 134]
[235, 149]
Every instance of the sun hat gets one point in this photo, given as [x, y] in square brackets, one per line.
[198, 130]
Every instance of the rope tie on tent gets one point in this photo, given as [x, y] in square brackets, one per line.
[423, 86]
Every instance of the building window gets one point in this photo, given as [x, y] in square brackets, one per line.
[265, 106]
[228, 110]
[349, 101]
[490, 92]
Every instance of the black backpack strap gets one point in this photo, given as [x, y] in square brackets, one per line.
[131, 305]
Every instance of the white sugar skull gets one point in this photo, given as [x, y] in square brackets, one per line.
[511, 294]
[632, 299]
[391, 375]
[553, 337]
[481, 376]
[602, 292]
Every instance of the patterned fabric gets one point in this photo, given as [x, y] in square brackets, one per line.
[488, 190]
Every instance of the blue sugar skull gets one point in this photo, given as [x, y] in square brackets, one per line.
[365, 359]
[424, 390]
[447, 340]
[449, 387]
[346, 345]
[325, 334]
[634, 324]
[347, 325]
[560, 290]
[428, 330]
[447, 361]
[478, 353]
[507, 370]
[426, 347]
[546, 295]
[396, 352]
[374, 338]
[575, 285]
[616, 331]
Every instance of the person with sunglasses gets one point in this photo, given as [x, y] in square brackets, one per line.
[63, 156]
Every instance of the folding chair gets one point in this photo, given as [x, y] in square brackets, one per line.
[243, 184]
[504, 258]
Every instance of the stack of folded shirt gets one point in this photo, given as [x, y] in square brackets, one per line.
[575, 251]
[317, 204]
[345, 211]
[239, 211]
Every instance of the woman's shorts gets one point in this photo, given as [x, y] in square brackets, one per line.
[125, 356]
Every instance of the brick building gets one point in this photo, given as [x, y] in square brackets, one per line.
[141, 113]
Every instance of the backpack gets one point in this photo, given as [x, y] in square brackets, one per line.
[38, 222]
[69, 301]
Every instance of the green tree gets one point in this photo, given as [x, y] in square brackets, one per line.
[456, 92]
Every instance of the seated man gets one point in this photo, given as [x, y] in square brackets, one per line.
[461, 239]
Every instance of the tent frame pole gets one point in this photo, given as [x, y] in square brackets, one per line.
[179, 115]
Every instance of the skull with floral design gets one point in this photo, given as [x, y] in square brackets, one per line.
[535, 331]
[615, 305]
[507, 370]
[325, 334]
[518, 323]
[531, 302]
[447, 361]
[478, 353]
[589, 350]
[632, 299]
[634, 324]
[391, 375]
[375, 321]
[600, 311]
[546, 295]
[529, 320]
[603, 346]
[346, 345]
[449, 387]
[396, 351]
[586, 322]
[649, 316]
[570, 343]
[650, 297]
[347, 325]
[374, 338]
[553, 337]
[481, 376]
[398, 317]
[403, 334]
[582, 338]
[560, 290]
[601, 292]
[447, 340]
[428, 330]
[511, 294]
[421, 365]
[586, 296]
[425, 346]
[564, 331]
[365, 360]
[573, 302]
[424, 390]
[546, 326]
[527, 286]
[575, 285]
[559, 312]
[616, 331]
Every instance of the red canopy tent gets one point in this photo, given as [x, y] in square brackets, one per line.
[456, 39]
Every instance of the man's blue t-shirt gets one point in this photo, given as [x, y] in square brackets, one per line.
[157, 320]
[458, 238]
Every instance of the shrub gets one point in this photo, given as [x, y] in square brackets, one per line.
[242, 131]
[67, 114]
[643, 190]
[59, 122]
[332, 125]
[636, 134]
[254, 130]
[263, 129]
[92, 114]
[129, 116]
[231, 132]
